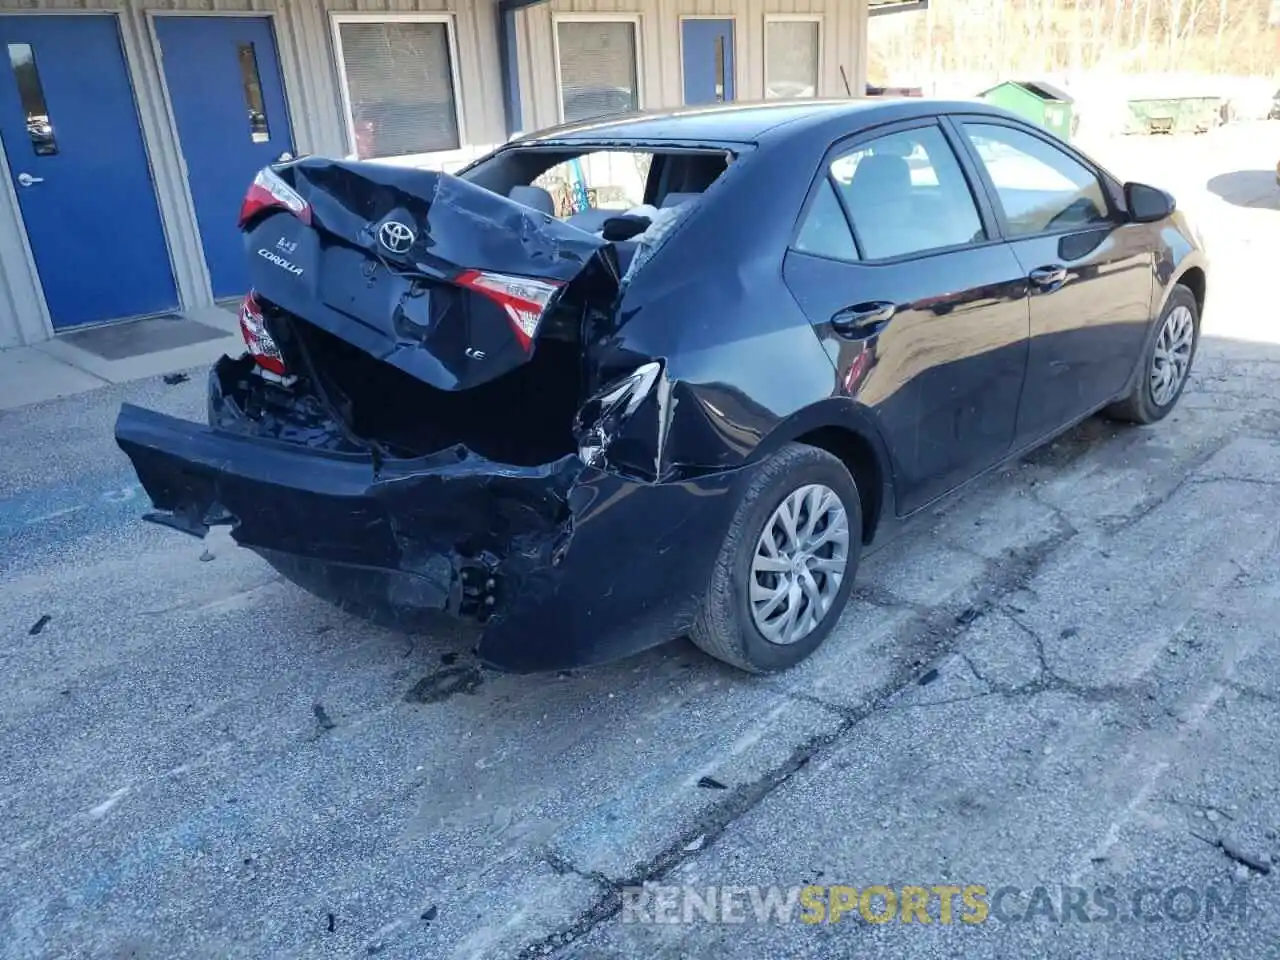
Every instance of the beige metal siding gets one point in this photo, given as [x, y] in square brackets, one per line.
[304, 36]
[659, 57]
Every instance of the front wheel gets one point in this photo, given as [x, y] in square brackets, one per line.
[787, 563]
[1165, 364]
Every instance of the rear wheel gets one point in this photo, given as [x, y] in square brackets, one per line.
[787, 563]
[1165, 364]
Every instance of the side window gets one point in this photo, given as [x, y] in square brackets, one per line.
[906, 193]
[825, 230]
[1040, 187]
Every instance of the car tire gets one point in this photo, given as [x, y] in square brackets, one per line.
[727, 625]
[1146, 403]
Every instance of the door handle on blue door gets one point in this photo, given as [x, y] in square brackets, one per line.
[1049, 278]
[863, 319]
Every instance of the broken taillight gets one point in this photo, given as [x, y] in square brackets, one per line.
[261, 346]
[523, 300]
[269, 192]
[602, 417]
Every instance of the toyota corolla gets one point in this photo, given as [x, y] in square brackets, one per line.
[666, 374]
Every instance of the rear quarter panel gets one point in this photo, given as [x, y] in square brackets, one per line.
[741, 357]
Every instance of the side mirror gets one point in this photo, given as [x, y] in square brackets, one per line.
[1147, 204]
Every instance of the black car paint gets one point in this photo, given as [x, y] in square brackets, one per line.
[389, 304]
[732, 313]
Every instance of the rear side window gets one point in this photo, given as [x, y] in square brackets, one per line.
[1040, 187]
[825, 230]
[906, 193]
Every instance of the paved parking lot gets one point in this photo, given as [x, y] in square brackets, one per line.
[1068, 677]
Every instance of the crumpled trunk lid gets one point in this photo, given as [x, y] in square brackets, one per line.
[386, 259]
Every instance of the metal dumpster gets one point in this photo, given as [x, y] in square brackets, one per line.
[1175, 115]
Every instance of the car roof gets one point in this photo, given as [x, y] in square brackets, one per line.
[750, 122]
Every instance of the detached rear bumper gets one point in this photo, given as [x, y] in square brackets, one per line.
[564, 565]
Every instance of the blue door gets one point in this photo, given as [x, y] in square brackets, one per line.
[75, 153]
[228, 100]
[707, 50]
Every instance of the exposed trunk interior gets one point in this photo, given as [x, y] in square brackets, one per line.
[524, 417]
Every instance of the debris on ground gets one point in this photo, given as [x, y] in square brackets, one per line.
[430, 913]
[333, 922]
[711, 783]
[969, 615]
[40, 624]
[928, 677]
[322, 717]
[445, 683]
[1234, 848]
[1246, 856]
[173, 379]
[694, 845]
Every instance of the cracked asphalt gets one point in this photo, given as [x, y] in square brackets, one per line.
[1067, 677]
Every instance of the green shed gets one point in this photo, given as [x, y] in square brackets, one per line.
[1041, 103]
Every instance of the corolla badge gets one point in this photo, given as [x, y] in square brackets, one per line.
[396, 236]
[280, 262]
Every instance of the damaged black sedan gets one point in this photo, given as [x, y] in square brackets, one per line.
[665, 374]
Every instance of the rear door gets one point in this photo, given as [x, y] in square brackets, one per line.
[706, 53]
[80, 169]
[1089, 271]
[228, 100]
[897, 264]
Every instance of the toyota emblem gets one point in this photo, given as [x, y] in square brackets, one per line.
[396, 236]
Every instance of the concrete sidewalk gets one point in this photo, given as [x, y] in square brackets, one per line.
[81, 360]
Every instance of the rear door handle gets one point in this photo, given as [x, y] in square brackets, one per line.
[863, 319]
[1049, 278]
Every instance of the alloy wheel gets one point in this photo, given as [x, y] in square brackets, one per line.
[800, 561]
[1172, 356]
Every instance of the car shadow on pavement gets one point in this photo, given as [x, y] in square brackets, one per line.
[1247, 188]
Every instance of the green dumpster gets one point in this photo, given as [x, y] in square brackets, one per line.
[1174, 115]
[1041, 103]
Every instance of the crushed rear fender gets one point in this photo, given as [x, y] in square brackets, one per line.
[562, 563]
[295, 487]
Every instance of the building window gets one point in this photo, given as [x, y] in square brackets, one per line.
[596, 67]
[31, 95]
[399, 85]
[791, 57]
[259, 131]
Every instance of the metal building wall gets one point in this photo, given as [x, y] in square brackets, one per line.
[843, 43]
[304, 36]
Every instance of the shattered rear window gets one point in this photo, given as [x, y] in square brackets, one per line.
[606, 180]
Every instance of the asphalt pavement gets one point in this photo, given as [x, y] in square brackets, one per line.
[1052, 706]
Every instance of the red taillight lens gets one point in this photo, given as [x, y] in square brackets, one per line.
[254, 329]
[268, 192]
[525, 301]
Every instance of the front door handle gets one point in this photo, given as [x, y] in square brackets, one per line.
[1049, 278]
[863, 319]
[26, 180]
